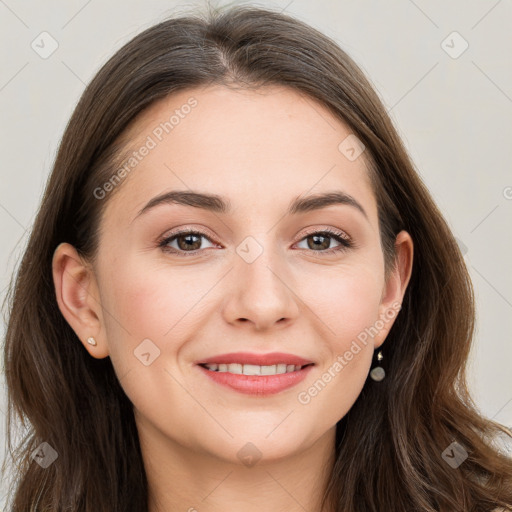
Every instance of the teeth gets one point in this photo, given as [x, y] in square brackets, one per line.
[253, 369]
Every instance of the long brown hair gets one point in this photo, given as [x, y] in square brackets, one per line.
[390, 445]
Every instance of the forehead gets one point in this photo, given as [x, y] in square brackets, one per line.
[259, 147]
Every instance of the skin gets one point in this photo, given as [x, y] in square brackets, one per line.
[259, 149]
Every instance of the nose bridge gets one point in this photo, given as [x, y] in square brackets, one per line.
[258, 264]
[261, 291]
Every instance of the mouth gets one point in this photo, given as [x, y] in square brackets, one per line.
[255, 380]
[255, 374]
[253, 369]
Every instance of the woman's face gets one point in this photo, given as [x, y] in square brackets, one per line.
[259, 279]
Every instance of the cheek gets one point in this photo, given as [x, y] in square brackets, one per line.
[348, 307]
[346, 301]
[150, 302]
[150, 316]
[169, 306]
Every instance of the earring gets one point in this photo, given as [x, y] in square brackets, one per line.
[92, 341]
[378, 373]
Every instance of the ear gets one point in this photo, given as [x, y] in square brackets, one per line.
[395, 286]
[78, 298]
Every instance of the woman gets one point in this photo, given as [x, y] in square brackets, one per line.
[239, 293]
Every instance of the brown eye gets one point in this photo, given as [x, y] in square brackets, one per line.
[186, 241]
[189, 241]
[320, 241]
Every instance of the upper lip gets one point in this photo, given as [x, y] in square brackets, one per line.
[256, 359]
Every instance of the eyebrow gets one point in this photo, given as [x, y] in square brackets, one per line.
[218, 204]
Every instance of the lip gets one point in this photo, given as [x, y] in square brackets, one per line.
[255, 385]
[258, 359]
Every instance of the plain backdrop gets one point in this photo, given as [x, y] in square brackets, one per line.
[443, 69]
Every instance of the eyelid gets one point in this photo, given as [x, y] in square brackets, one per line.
[331, 232]
[335, 231]
[187, 229]
[166, 238]
[211, 237]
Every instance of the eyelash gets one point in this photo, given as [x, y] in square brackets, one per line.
[339, 236]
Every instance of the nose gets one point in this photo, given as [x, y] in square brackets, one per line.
[261, 293]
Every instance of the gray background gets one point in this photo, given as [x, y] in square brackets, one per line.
[453, 109]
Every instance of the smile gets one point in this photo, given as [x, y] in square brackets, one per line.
[253, 369]
[255, 380]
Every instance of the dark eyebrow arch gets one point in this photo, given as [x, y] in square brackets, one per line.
[218, 204]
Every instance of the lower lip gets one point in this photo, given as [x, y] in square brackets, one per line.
[255, 385]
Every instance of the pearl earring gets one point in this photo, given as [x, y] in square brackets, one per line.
[378, 373]
[92, 341]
